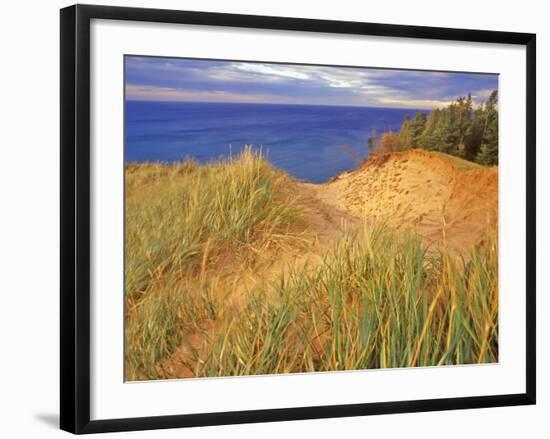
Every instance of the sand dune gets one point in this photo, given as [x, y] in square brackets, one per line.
[448, 200]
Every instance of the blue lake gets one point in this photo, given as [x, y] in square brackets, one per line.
[312, 143]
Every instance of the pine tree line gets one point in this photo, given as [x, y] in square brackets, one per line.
[458, 129]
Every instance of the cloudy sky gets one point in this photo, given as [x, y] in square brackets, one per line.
[174, 79]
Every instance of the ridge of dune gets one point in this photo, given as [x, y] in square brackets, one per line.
[446, 199]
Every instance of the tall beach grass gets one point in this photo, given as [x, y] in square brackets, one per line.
[183, 223]
[377, 299]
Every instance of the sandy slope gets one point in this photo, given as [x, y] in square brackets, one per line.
[448, 200]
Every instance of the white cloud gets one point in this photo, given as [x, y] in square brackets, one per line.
[482, 95]
[272, 70]
[413, 103]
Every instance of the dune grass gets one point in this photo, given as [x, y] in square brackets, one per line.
[184, 221]
[378, 299]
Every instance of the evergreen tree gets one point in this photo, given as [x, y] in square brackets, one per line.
[427, 138]
[417, 125]
[446, 134]
[458, 129]
[462, 111]
[488, 153]
[405, 137]
[474, 134]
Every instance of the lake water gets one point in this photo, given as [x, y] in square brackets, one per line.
[312, 143]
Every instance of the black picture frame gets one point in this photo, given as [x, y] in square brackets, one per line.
[75, 217]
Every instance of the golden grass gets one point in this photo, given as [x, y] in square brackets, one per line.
[183, 222]
[376, 300]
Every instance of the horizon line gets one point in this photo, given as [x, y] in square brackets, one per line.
[276, 103]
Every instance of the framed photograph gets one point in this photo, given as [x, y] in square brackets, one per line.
[268, 218]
